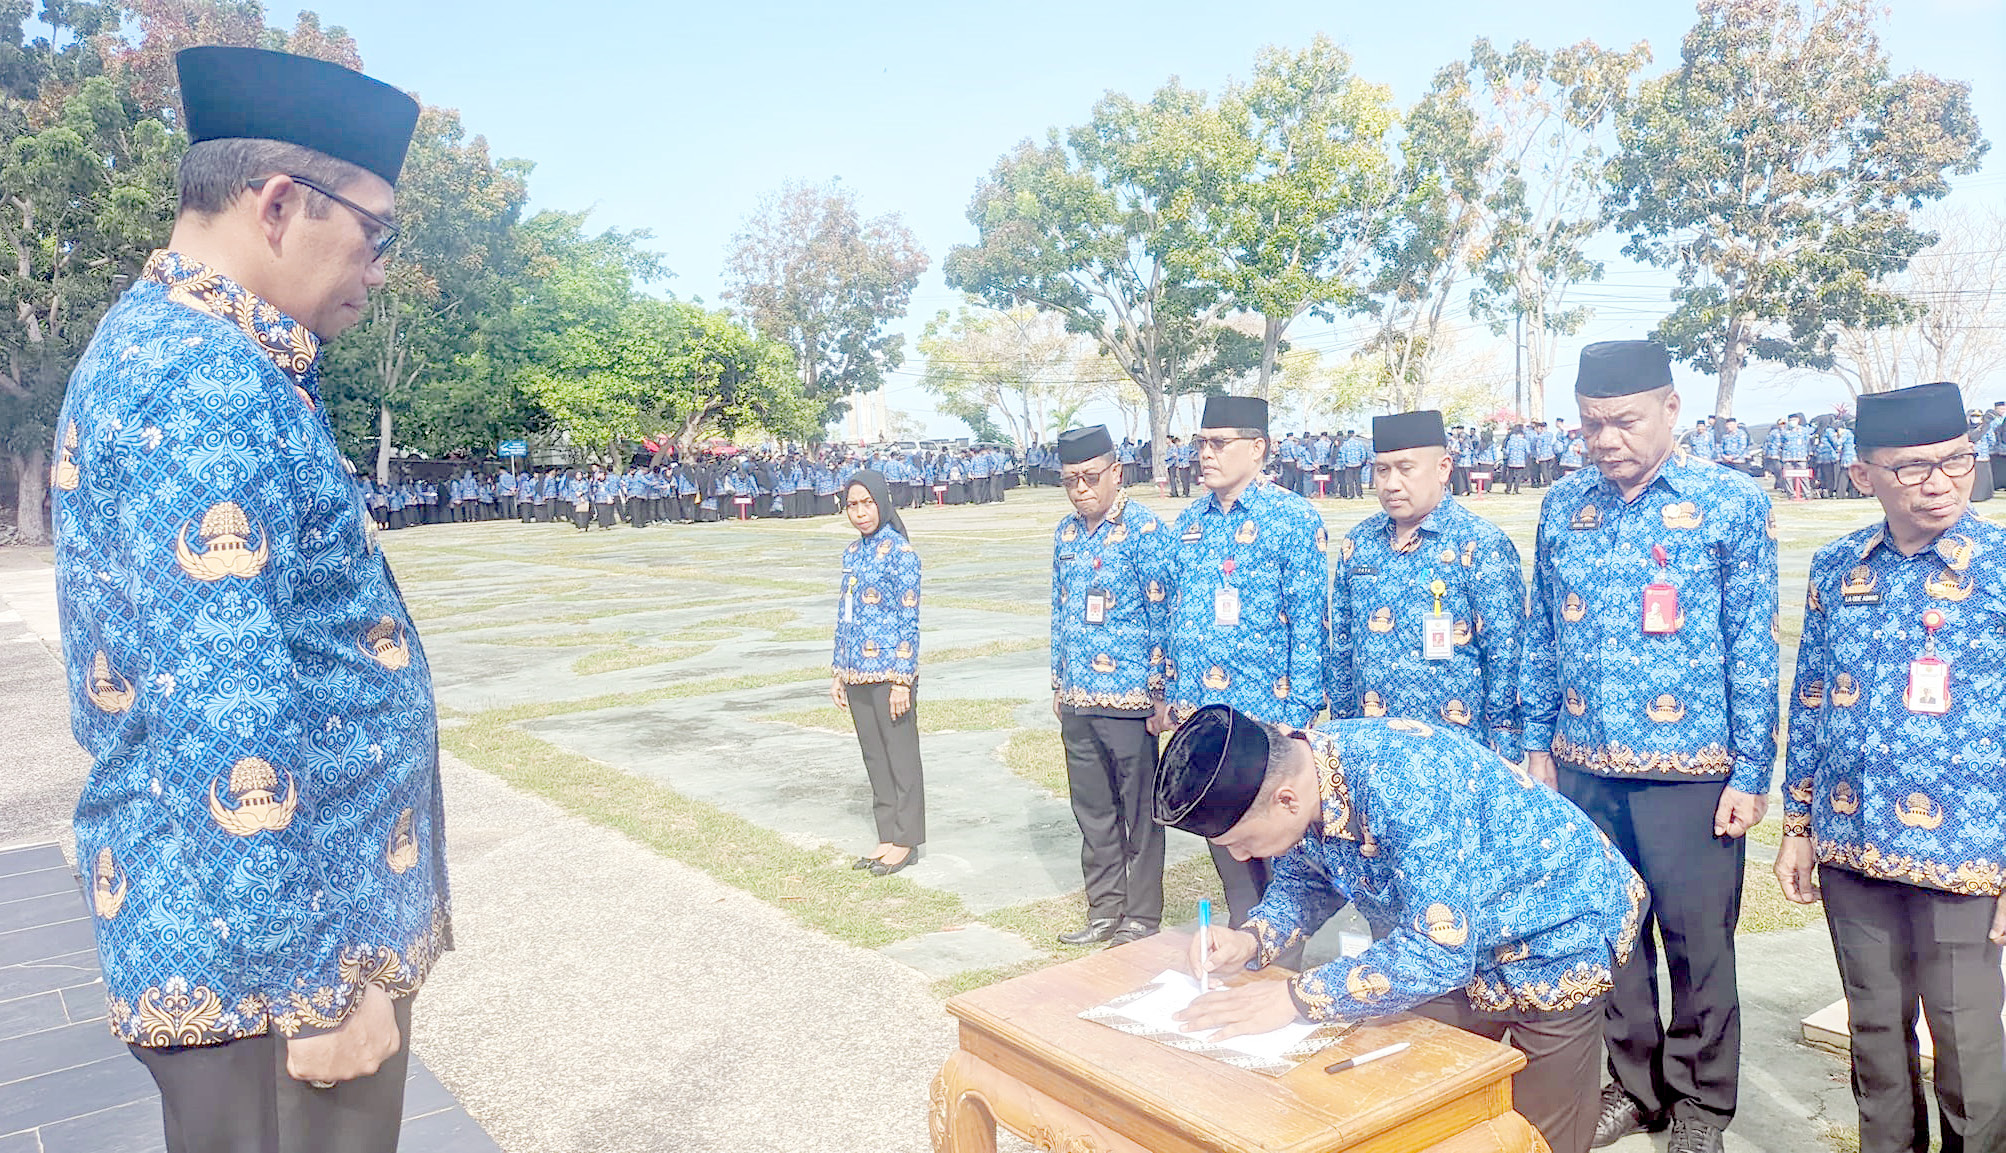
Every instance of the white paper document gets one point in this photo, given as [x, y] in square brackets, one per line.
[1148, 1012]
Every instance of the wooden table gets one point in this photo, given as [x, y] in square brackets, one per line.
[1028, 1062]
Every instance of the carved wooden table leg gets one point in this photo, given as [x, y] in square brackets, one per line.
[971, 1097]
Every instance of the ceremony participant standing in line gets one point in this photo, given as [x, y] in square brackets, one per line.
[1110, 617]
[1428, 603]
[876, 668]
[267, 898]
[1649, 689]
[1895, 777]
[1732, 449]
[1495, 906]
[1250, 618]
[1517, 452]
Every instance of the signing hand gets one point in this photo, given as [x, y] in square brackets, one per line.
[1738, 812]
[838, 693]
[1796, 871]
[901, 702]
[358, 1048]
[1255, 1007]
[1230, 948]
[1539, 766]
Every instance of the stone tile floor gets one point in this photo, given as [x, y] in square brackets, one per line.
[68, 1086]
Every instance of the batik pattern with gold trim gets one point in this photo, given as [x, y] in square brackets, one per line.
[1882, 790]
[877, 611]
[1470, 874]
[245, 677]
[1484, 595]
[1697, 703]
[1272, 550]
[1115, 664]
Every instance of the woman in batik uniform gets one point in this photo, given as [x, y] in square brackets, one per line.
[876, 667]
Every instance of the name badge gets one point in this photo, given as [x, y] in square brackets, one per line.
[1195, 533]
[1226, 607]
[1438, 642]
[1097, 602]
[1928, 686]
[1661, 610]
[849, 597]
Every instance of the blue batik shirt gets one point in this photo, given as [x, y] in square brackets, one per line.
[1472, 876]
[1516, 450]
[1113, 667]
[261, 828]
[1797, 443]
[1271, 547]
[1378, 597]
[1605, 697]
[1884, 790]
[877, 611]
[1734, 445]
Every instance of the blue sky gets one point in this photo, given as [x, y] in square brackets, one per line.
[677, 118]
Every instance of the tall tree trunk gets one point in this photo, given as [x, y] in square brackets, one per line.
[1733, 352]
[31, 485]
[1271, 339]
[383, 430]
[1159, 430]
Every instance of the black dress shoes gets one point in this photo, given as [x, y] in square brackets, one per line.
[1621, 1116]
[1093, 933]
[883, 869]
[1130, 931]
[863, 862]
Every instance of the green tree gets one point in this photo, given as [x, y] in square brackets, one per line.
[1020, 364]
[1775, 170]
[810, 272]
[1312, 178]
[456, 266]
[1549, 114]
[1102, 226]
[86, 191]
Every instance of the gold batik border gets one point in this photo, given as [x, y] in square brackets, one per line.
[1713, 760]
[1979, 878]
[859, 677]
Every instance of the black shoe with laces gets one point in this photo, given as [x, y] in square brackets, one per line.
[1690, 1136]
[1621, 1116]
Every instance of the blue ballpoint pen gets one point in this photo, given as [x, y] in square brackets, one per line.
[1204, 941]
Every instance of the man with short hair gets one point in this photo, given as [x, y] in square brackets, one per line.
[1250, 615]
[1495, 906]
[1110, 617]
[1732, 448]
[1428, 602]
[261, 828]
[1517, 451]
[1896, 778]
[1649, 689]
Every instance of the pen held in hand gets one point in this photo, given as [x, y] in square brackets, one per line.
[1204, 943]
[1364, 1058]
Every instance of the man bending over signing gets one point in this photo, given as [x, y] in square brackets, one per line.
[1495, 905]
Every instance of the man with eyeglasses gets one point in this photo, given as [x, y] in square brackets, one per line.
[1895, 778]
[1648, 684]
[1110, 618]
[1250, 616]
[266, 899]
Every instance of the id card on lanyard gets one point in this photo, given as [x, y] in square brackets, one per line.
[1661, 599]
[1438, 642]
[849, 596]
[1928, 690]
[1226, 600]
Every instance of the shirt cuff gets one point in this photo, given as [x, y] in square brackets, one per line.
[1538, 737]
[1748, 777]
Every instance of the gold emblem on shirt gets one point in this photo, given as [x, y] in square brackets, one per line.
[871, 649]
[1811, 694]
[1802, 792]
[1373, 705]
[1410, 725]
[1367, 984]
[1445, 926]
[1448, 555]
[1216, 678]
[1949, 585]
[1462, 633]
[1845, 691]
[1683, 514]
[884, 549]
[1070, 533]
[384, 644]
[107, 690]
[871, 595]
[254, 786]
[1322, 540]
[1469, 554]
[1858, 583]
[1813, 602]
[1957, 550]
[224, 532]
[1456, 713]
[1381, 620]
[401, 851]
[1247, 533]
[1103, 663]
[1586, 517]
[1844, 799]
[1154, 592]
[1282, 688]
[1573, 608]
[1345, 550]
[1666, 709]
[1917, 811]
[904, 651]
[65, 475]
[1575, 704]
[1515, 951]
[108, 886]
[1119, 534]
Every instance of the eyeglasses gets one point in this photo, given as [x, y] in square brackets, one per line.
[385, 233]
[1085, 479]
[1916, 471]
[1217, 444]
